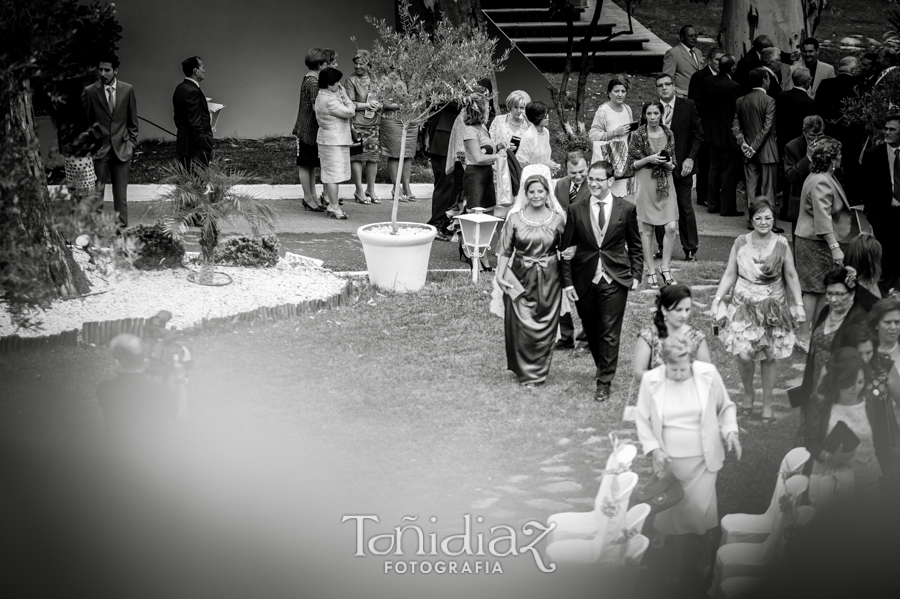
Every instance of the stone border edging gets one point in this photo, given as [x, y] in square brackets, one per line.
[102, 332]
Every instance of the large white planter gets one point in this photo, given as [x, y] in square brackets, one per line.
[397, 262]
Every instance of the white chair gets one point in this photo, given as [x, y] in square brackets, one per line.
[588, 550]
[615, 543]
[584, 525]
[635, 550]
[754, 528]
[753, 559]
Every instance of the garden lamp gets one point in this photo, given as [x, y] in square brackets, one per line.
[477, 231]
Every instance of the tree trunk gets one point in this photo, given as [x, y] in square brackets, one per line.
[399, 178]
[61, 273]
[784, 21]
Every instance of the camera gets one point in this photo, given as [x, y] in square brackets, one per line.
[664, 155]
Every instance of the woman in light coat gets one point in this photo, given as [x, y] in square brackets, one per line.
[683, 415]
[333, 112]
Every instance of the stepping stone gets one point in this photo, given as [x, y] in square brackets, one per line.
[794, 382]
[562, 487]
[799, 366]
[556, 469]
[483, 504]
[563, 442]
[554, 478]
[580, 500]
[502, 514]
[549, 504]
[513, 490]
[549, 461]
[517, 478]
[593, 439]
[732, 391]
[589, 429]
[779, 391]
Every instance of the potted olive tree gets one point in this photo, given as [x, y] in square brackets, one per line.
[422, 72]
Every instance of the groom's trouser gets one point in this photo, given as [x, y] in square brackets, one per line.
[602, 310]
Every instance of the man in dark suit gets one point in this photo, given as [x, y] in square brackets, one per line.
[751, 60]
[194, 143]
[111, 104]
[796, 164]
[880, 179]
[447, 187]
[571, 189]
[607, 262]
[680, 115]
[771, 59]
[754, 130]
[697, 79]
[717, 100]
[830, 104]
[792, 106]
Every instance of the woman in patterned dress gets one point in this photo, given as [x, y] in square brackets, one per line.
[760, 321]
[366, 122]
[306, 128]
[529, 246]
[673, 309]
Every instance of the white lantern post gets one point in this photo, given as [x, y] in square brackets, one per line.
[477, 231]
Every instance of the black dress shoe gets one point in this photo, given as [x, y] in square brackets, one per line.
[736, 213]
[658, 255]
[602, 392]
[777, 230]
[690, 256]
[701, 203]
[562, 344]
[441, 236]
[712, 210]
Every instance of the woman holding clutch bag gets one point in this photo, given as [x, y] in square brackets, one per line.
[528, 255]
[841, 391]
[683, 414]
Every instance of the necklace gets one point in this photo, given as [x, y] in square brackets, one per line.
[890, 351]
[834, 321]
[535, 222]
[759, 243]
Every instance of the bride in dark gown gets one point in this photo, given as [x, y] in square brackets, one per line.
[529, 248]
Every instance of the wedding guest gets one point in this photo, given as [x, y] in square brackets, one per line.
[535, 145]
[391, 139]
[682, 61]
[703, 159]
[333, 113]
[796, 164]
[366, 122]
[651, 156]
[306, 128]
[864, 256]
[481, 153]
[841, 400]
[685, 439]
[823, 226]
[881, 394]
[609, 132]
[880, 186]
[528, 247]
[673, 309]
[761, 319]
[809, 50]
[718, 96]
[840, 312]
[447, 185]
[884, 320]
[510, 128]
[751, 60]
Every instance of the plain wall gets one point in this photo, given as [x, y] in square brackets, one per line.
[253, 51]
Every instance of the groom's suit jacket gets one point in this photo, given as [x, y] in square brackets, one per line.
[621, 252]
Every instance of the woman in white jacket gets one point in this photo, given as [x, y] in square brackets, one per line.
[683, 415]
[334, 109]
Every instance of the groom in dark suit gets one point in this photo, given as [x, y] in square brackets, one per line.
[194, 143]
[607, 262]
[111, 104]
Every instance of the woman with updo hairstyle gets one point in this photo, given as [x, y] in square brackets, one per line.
[508, 129]
[842, 401]
[610, 132]
[529, 275]
[760, 321]
[306, 128]
[366, 121]
[864, 255]
[333, 112]
[823, 226]
[535, 146]
[683, 415]
[673, 310]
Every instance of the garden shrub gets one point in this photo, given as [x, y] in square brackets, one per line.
[158, 247]
[245, 250]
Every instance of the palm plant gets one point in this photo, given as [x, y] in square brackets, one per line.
[207, 197]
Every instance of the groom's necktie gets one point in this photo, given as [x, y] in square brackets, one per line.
[601, 215]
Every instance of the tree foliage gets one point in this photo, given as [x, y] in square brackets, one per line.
[423, 71]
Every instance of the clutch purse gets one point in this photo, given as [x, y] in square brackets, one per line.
[517, 289]
[660, 492]
[841, 435]
[356, 146]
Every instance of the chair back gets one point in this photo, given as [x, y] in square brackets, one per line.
[635, 549]
[613, 512]
[794, 487]
[795, 460]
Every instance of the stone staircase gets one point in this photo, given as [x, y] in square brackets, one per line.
[543, 41]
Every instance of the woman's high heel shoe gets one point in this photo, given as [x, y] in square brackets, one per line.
[652, 282]
[334, 214]
[318, 208]
[667, 277]
[372, 198]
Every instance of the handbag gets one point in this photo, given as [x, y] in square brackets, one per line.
[841, 437]
[517, 289]
[502, 181]
[356, 144]
[661, 492]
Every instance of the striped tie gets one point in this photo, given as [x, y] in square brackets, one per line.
[573, 192]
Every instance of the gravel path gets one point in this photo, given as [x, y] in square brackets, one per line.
[136, 294]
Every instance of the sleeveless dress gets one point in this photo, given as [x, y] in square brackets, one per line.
[530, 322]
[759, 319]
[651, 335]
